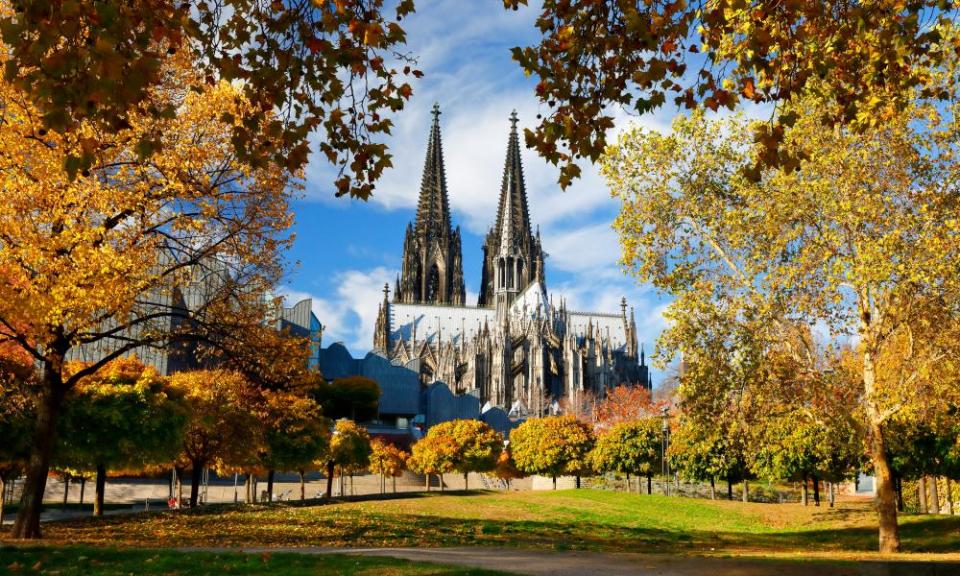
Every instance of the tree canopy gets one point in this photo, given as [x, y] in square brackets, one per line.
[551, 446]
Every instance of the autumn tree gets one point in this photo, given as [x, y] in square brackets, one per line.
[506, 469]
[696, 452]
[349, 450]
[16, 415]
[224, 421]
[594, 58]
[305, 67]
[476, 446]
[862, 238]
[630, 447]
[124, 416]
[625, 403]
[388, 461]
[551, 446]
[98, 262]
[435, 453]
[295, 436]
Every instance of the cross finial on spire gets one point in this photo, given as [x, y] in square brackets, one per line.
[513, 120]
[386, 291]
[436, 112]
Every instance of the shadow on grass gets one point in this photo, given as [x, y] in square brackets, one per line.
[291, 524]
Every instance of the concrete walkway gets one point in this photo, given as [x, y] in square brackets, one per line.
[539, 562]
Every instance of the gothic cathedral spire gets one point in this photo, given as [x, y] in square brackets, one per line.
[512, 228]
[432, 260]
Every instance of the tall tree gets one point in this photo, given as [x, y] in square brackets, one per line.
[862, 238]
[388, 461]
[594, 57]
[435, 453]
[123, 416]
[101, 261]
[295, 436]
[551, 446]
[349, 450]
[630, 447]
[626, 404]
[476, 446]
[333, 67]
[16, 414]
[224, 421]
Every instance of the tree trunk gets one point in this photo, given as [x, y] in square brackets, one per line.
[949, 497]
[66, 491]
[330, 479]
[83, 486]
[27, 524]
[803, 495]
[832, 494]
[899, 486]
[195, 475]
[922, 494]
[427, 481]
[466, 483]
[729, 489]
[649, 484]
[270, 474]
[3, 497]
[100, 489]
[934, 495]
[441, 482]
[886, 499]
[816, 491]
[746, 491]
[577, 484]
[303, 488]
[713, 489]
[554, 482]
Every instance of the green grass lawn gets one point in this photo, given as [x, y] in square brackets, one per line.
[563, 520]
[82, 561]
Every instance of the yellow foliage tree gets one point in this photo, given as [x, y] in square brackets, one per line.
[101, 259]
[387, 460]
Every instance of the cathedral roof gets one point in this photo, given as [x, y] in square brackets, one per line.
[433, 211]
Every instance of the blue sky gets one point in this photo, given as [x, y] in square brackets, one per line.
[345, 250]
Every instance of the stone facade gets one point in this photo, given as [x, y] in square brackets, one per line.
[515, 349]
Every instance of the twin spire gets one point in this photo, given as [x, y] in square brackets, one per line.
[433, 212]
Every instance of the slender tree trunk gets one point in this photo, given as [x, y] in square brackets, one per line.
[577, 484]
[330, 479]
[83, 486]
[427, 475]
[270, 474]
[630, 486]
[3, 497]
[899, 485]
[66, 491]
[27, 525]
[303, 488]
[816, 491]
[934, 495]
[832, 495]
[195, 475]
[466, 482]
[441, 482]
[554, 482]
[886, 499]
[746, 490]
[922, 494]
[649, 484]
[729, 489]
[803, 495]
[949, 496]
[713, 489]
[100, 489]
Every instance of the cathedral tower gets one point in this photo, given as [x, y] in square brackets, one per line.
[432, 261]
[511, 233]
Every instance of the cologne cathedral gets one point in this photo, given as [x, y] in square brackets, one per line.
[515, 349]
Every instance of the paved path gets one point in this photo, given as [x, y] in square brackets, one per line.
[539, 562]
